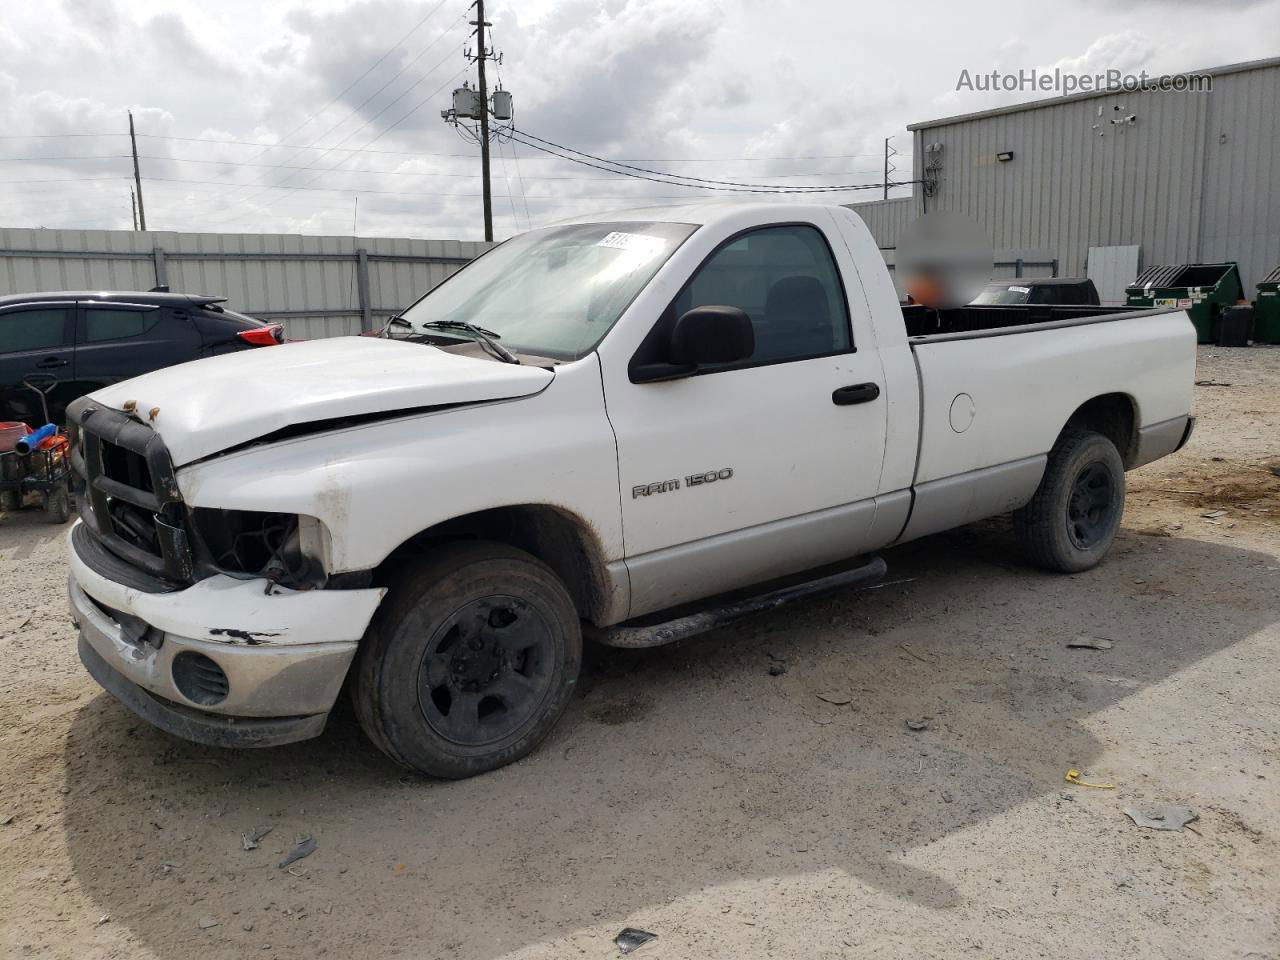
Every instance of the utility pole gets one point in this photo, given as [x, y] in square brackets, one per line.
[886, 168]
[133, 203]
[481, 55]
[492, 117]
[137, 177]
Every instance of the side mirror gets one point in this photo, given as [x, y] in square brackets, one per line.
[712, 334]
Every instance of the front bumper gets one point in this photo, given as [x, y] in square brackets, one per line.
[284, 656]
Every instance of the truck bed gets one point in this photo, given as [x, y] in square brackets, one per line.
[922, 321]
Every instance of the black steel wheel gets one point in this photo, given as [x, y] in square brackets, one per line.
[486, 670]
[1091, 506]
[470, 661]
[1072, 520]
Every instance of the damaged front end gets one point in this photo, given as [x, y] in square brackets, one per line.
[287, 550]
[218, 625]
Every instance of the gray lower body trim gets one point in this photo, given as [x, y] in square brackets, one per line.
[671, 576]
[265, 681]
[966, 497]
[1161, 439]
[214, 729]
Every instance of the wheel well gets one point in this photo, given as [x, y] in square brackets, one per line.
[561, 540]
[1114, 416]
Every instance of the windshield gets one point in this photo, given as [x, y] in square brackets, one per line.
[553, 292]
[998, 293]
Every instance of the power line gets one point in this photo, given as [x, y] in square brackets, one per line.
[398, 73]
[419, 173]
[657, 176]
[419, 153]
[385, 130]
[396, 76]
[369, 121]
[377, 63]
[55, 136]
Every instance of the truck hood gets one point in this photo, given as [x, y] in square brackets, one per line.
[207, 406]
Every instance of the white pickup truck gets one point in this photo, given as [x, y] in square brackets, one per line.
[633, 426]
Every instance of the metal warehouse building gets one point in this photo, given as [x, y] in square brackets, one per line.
[1105, 183]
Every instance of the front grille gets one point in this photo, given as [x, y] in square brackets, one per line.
[127, 492]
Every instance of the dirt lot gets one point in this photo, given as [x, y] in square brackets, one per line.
[734, 813]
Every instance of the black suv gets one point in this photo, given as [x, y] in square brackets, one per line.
[87, 340]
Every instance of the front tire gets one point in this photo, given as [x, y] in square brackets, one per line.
[470, 661]
[1072, 520]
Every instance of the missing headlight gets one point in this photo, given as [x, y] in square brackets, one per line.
[248, 543]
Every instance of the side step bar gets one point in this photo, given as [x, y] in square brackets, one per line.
[658, 634]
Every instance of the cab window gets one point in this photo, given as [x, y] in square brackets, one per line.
[785, 279]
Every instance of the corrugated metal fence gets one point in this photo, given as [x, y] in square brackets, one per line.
[316, 286]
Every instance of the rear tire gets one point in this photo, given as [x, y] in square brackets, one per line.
[469, 662]
[1072, 520]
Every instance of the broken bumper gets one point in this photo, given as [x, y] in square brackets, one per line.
[220, 662]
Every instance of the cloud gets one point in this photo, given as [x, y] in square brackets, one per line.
[660, 81]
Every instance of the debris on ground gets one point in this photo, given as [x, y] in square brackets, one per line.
[305, 848]
[921, 724]
[777, 669]
[838, 699]
[250, 840]
[207, 923]
[6, 820]
[105, 918]
[1089, 643]
[629, 939]
[1212, 514]
[912, 653]
[1165, 816]
[1212, 383]
[1073, 776]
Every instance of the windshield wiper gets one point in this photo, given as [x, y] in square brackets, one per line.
[487, 338]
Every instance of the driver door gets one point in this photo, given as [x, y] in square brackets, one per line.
[747, 471]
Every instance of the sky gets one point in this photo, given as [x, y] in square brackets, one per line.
[323, 116]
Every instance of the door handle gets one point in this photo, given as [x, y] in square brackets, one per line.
[857, 393]
[48, 363]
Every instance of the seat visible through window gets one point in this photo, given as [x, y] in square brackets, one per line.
[785, 279]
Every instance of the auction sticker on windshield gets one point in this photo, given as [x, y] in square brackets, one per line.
[638, 242]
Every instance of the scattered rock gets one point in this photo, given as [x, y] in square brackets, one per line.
[629, 939]
[305, 848]
[250, 840]
[921, 724]
[777, 669]
[1165, 816]
[207, 923]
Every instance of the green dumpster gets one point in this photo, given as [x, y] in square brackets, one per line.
[1202, 289]
[1266, 310]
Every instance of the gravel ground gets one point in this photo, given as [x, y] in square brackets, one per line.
[736, 814]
